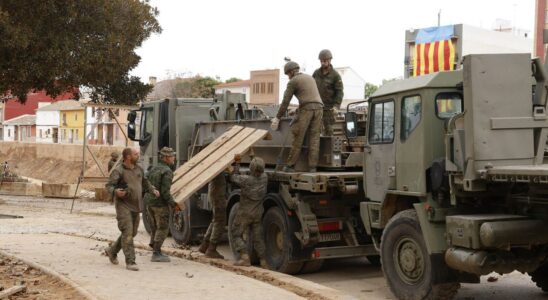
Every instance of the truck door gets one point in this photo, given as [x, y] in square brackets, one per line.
[380, 155]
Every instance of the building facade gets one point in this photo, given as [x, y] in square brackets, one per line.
[102, 128]
[20, 129]
[71, 125]
[241, 87]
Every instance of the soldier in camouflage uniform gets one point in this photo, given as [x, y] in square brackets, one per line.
[217, 197]
[308, 117]
[157, 208]
[330, 86]
[248, 216]
[127, 182]
[113, 159]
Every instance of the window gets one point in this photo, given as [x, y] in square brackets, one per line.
[147, 124]
[40, 133]
[448, 105]
[381, 128]
[256, 88]
[9, 132]
[64, 119]
[411, 107]
[270, 88]
[263, 87]
[75, 116]
[76, 135]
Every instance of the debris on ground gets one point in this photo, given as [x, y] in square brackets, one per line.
[492, 279]
[18, 280]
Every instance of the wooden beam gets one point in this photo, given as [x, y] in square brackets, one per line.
[97, 162]
[186, 167]
[12, 290]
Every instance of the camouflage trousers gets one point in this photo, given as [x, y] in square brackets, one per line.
[311, 121]
[218, 221]
[159, 222]
[128, 222]
[242, 223]
[328, 121]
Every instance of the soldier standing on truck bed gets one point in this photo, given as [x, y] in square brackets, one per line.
[216, 194]
[330, 86]
[253, 190]
[127, 181]
[308, 117]
[157, 208]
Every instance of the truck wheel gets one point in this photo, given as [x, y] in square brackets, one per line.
[312, 266]
[540, 277]
[278, 243]
[146, 221]
[253, 257]
[406, 263]
[374, 260]
[179, 225]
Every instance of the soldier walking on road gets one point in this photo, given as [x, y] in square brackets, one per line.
[330, 86]
[308, 117]
[248, 216]
[157, 208]
[216, 195]
[127, 181]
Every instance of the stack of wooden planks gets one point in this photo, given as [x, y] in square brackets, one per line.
[212, 160]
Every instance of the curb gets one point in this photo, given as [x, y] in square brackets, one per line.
[300, 287]
[53, 273]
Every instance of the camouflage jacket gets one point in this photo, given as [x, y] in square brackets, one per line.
[160, 177]
[135, 183]
[216, 191]
[253, 190]
[303, 87]
[330, 86]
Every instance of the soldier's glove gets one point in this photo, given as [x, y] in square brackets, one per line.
[275, 123]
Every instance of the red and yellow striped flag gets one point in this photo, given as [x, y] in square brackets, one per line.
[434, 50]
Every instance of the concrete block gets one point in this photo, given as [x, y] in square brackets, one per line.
[19, 189]
[58, 190]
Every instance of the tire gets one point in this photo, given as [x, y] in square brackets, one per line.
[146, 221]
[253, 257]
[374, 260]
[406, 264]
[179, 225]
[278, 243]
[312, 266]
[540, 277]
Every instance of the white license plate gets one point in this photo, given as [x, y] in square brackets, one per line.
[328, 237]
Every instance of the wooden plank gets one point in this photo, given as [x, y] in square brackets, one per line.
[217, 143]
[214, 169]
[215, 155]
[12, 290]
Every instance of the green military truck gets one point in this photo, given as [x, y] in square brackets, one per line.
[445, 181]
[455, 180]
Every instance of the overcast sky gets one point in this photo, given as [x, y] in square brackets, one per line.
[230, 38]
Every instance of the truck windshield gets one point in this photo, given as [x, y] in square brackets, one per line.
[448, 105]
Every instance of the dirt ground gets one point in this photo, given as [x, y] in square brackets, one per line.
[38, 285]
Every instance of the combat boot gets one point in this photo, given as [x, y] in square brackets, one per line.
[211, 252]
[263, 264]
[288, 169]
[203, 246]
[132, 267]
[243, 261]
[157, 255]
[111, 256]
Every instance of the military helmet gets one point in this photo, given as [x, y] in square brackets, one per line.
[290, 66]
[325, 54]
[114, 155]
[256, 166]
[166, 151]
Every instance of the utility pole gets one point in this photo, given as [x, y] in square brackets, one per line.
[439, 17]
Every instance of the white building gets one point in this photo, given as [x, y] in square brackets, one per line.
[48, 118]
[241, 87]
[20, 128]
[101, 127]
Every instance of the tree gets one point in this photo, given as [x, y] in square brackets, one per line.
[195, 87]
[124, 91]
[57, 46]
[369, 89]
[232, 79]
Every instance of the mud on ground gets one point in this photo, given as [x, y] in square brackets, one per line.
[38, 285]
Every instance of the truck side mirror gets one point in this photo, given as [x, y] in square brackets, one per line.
[351, 125]
[132, 116]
